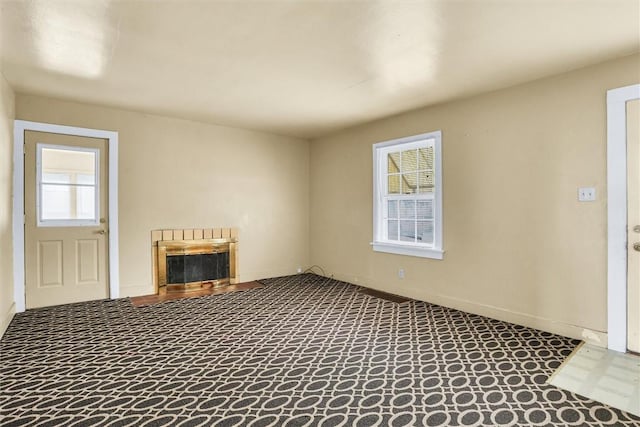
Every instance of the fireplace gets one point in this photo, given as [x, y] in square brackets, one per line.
[197, 267]
[200, 261]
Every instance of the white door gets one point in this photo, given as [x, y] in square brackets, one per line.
[633, 215]
[65, 219]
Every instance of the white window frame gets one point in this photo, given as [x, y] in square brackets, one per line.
[66, 222]
[380, 151]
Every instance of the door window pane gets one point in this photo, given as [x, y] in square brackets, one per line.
[56, 178]
[57, 200]
[83, 178]
[86, 202]
[68, 178]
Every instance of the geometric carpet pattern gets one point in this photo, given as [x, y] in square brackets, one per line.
[303, 350]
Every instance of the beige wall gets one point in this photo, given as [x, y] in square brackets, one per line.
[519, 246]
[181, 174]
[7, 110]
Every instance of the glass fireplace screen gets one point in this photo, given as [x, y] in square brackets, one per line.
[197, 268]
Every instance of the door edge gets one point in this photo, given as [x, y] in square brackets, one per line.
[617, 215]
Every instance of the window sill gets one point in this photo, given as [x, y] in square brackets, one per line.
[408, 250]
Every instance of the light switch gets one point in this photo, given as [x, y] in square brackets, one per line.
[586, 194]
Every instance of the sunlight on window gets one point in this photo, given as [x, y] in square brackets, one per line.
[68, 180]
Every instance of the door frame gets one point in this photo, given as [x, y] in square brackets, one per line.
[617, 214]
[19, 128]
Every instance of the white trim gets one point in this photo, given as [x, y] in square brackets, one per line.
[437, 164]
[380, 150]
[18, 217]
[96, 202]
[408, 250]
[19, 128]
[421, 293]
[617, 214]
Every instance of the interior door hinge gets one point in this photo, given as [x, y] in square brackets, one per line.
[24, 149]
[24, 219]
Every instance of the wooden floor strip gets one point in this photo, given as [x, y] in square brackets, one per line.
[172, 296]
[384, 295]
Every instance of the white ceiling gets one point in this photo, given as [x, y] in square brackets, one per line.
[296, 67]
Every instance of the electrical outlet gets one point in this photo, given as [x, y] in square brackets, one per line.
[299, 270]
[586, 194]
[401, 273]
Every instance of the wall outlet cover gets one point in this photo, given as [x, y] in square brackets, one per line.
[586, 194]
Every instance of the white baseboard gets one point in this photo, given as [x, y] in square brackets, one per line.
[136, 290]
[598, 338]
[249, 276]
[7, 318]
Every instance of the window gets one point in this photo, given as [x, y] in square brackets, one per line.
[407, 201]
[67, 185]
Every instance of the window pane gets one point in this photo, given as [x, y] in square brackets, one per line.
[68, 183]
[85, 203]
[409, 181]
[392, 209]
[56, 178]
[424, 209]
[394, 184]
[68, 161]
[425, 181]
[85, 179]
[56, 201]
[425, 231]
[392, 230]
[407, 231]
[407, 209]
[409, 160]
[393, 163]
[425, 158]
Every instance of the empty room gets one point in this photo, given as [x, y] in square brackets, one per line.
[320, 213]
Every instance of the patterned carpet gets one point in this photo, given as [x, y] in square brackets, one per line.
[303, 350]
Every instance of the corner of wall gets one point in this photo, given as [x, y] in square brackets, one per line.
[7, 318]
[7, 116]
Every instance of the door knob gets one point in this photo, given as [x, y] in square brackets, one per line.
[104, 232]
[636, 246]
[636, 228]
